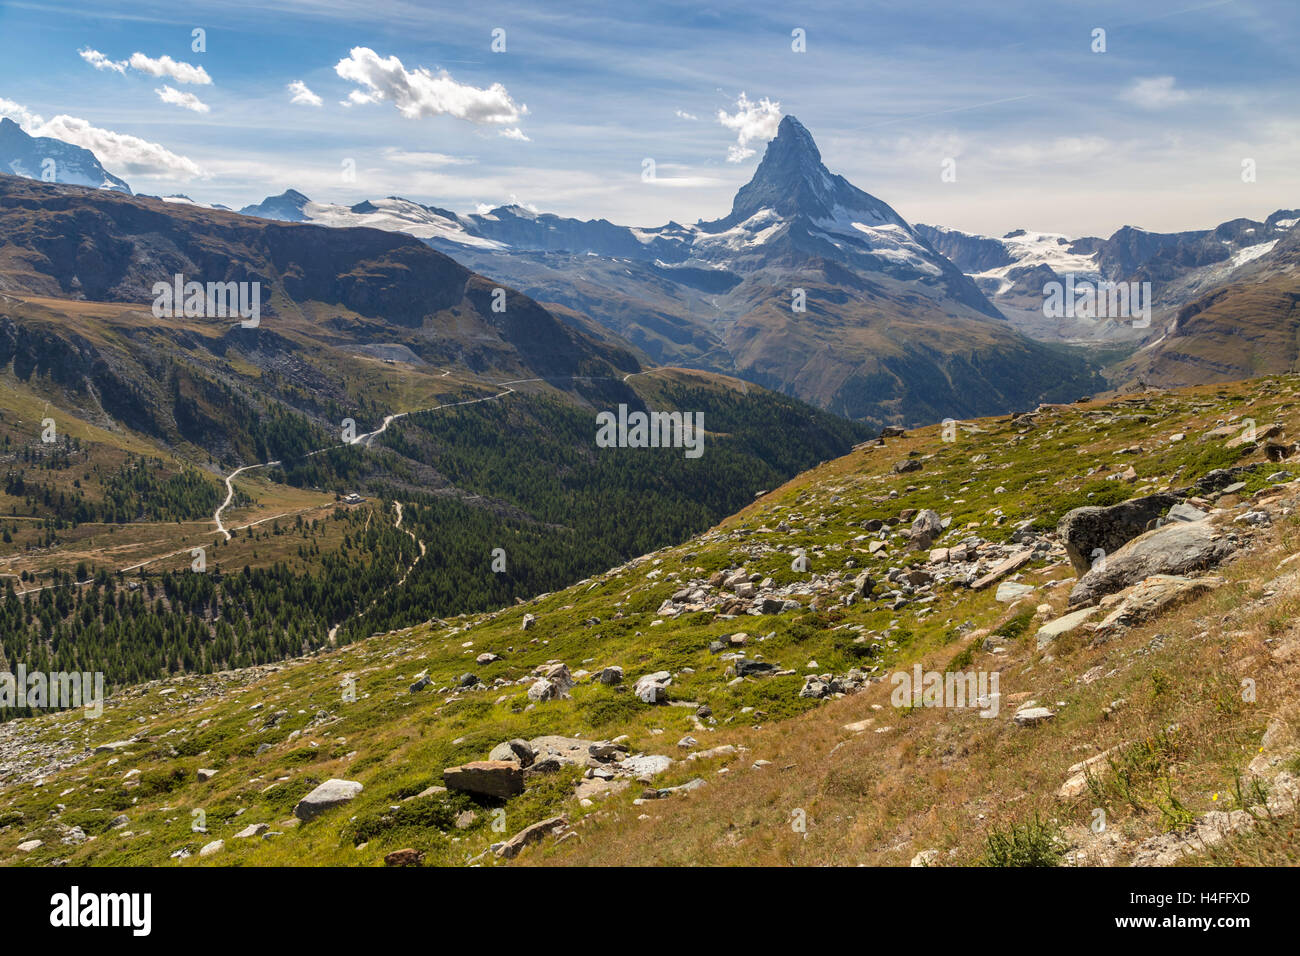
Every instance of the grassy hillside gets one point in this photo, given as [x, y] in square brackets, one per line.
[787, 778]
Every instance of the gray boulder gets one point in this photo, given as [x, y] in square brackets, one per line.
[653, 688]
[1177, 549]
[520, 751]
[486, 778]
[1084, 530]
[331, 793]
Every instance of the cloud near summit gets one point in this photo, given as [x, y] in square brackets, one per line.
[753, 122]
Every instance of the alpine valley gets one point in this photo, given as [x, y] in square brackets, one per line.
[506, 538]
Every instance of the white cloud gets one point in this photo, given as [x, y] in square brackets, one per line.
[101, 62]
[682, 114]
[420, 93]
[752, 122]
[412, 158]
[1155, 92]
[21, 115]
[515, 133]
[166, 66]
[302, 95]
[169, 94]
[118, 152]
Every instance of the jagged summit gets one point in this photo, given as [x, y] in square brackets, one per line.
[792, 180]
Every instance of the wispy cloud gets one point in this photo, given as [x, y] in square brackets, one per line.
[166, 66]
[101, 62]
[408, 158]
[169, 94]
[1155, 92]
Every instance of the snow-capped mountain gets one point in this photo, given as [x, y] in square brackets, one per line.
[1012, 270]
[792, 210]
[52, 160]
[809, 284]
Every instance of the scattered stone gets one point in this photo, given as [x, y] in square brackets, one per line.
[1063, 625]
[466, 819]
[407, 857]
[1001, 570]
[1010, 591]
[653, 688]
[332, 793]
[1030, 716]
[530, 834]
[487, 778]
[520, 751]
[749, 668]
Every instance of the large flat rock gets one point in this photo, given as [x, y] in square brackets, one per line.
[331, 793]
[486, 778]
[1063, 625]
[1173, 549]
[1085, 530]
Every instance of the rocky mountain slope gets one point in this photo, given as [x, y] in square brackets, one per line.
[1013, 270]
[1246, 324]
[1121, 574]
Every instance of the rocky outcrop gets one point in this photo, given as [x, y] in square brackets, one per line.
[1085, 531]
[1174, 549]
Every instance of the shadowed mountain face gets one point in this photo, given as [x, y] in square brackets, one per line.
[365, 285]
[809, 285]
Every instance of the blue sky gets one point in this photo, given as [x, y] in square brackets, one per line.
[1044, 132]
